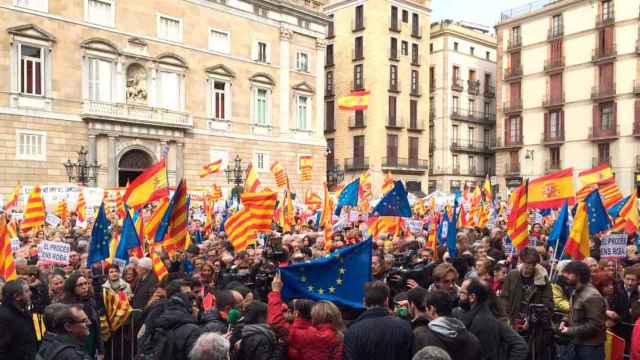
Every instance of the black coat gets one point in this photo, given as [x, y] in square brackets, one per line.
[144, 290]
[451, 336]
[214, 323]
[178, 318]
[481, 323]
[17, 334]
[420, 327]
[60, 347]
[376, 335]
[257, 342]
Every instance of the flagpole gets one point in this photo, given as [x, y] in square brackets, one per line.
[554, 264]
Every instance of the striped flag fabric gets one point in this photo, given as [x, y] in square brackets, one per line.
[610, 193]
[238, 230]
[12, 201]
[211, 168]
[628, 216]
[35, 211]
[584, 191]
[251, 182]
[149, 186]
[117, 309]
[157, 265]
[61, 210]
[278, 172]
[357, 100]
[216, 192]
[598, 174]
[306, 168]
[177, 232]
[261, 206]
[151, 227]
[387, 185]
[120, 205]
[517, 225]
[312, 199]
[7, 262]
[613, 347]
[81, 212]
[390, 225]
[577, 245]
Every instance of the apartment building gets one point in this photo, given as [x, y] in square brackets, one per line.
[568, 89]
[462, 80]
[129, 80]
[379, 46]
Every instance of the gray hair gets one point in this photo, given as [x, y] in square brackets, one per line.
[431, 353]
[210, 346]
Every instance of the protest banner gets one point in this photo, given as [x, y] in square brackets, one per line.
[415, 226]
[353, 216]
[52, 220]
[613, 246]
[54, 252]
[54, 193]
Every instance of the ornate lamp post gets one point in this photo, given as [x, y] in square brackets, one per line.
[82, 172]
[235, 175]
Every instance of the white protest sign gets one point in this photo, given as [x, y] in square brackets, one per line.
[613, 246]
[89, 212]
[54, 252]
[18, 216]
[52, 220]
[415, 226]
[15, 245]
[353, 216]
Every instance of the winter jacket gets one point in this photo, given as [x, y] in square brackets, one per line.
[450, 335]
[257, 342]
[512, 345]
[586, 316]
[420, 327]
[144, 290]
[512, 294]
[376, 335]
[481, 323]
[213, 322]
[93, 343]
[117, 286]
[17, 334]
[306, 342]
[560, 301]
[178, 319]
[61, 347]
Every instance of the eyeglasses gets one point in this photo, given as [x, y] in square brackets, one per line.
[82, 321]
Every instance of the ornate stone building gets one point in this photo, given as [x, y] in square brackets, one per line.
[201, 79]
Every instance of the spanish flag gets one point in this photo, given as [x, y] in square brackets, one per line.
[12, 201]
[578, 243]
[212, 168]
[601, 173]
[35, 211]
[149, 186]
[252, 182]
[387, 184]
[7, 262]
[278, 172]
[357, 100]
[613, 347]
[517, 226]
[81, 207]
[306, 168]
[551, 191]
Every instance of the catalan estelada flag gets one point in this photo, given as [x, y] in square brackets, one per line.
[628, 216]
[238, 230]
[357, 100]
[578, 243]
[306, 167]
[12, 201]
[610, 193]
[35, 211]
[81, 211]
[278, 172]
[149, 186]
[517, 226]
[387, 184]
[551, 191]
[251, 182]
[158, 266]
[61, 210]
[261, 205]
[151, 227]
[7, 262]
[176, 238]
[598, 174]
[212, 168]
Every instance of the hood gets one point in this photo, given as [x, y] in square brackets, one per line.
[178, 312]
[447, 327]
[258, 330]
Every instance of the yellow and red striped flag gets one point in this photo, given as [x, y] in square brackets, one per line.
[158, 266]
[387, 185]
[117, 309]
[613, 347]
[610, 193]
[287, 214]
[7, 262]
[252, 182]
[628, 217]
[81, 212]
[261, 206]
[61, 210]
[312, 199]
[517, 226]
[578, 243]
[35, 211]
[598, 174]
[278, 172]
[584, 191]
[211, 168]
[216, 192]
[151, 227]
[12, 228]
[327, 208]
[176, 238]
[12, 201]
[306, 168]
[486, 189]
[149, 186]
[119, 205]
[390, 225]
[238, 231]
[357, 100]
[483, 217]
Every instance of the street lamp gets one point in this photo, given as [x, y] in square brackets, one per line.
[235, 175]
[82, 171]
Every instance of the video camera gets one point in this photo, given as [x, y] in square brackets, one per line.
[405, 267]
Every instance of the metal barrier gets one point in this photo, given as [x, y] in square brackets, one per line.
[123, 343]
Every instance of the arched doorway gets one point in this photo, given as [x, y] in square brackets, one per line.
[131, 164]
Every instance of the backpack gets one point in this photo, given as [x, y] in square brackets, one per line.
[158, 345]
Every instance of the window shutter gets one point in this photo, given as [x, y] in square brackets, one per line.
[561, 125]
[507, 130]
[637, 112]
[608, 37]
[104, 84]
[596, 116]
[546, 124]
[615, 115]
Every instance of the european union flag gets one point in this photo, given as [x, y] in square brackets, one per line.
[100, 238]
[596, 213]
[348, 196]
[394, 203]
[128, 237]
[560, 232]
[338, 277]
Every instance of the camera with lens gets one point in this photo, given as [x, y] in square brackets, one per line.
[405, 267]
[273, 250]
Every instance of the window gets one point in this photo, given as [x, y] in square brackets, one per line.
[169, 28]
[606, 116]
[486, 137]
[261, 51]
[487, 55]
[31, 70]
[359, 17]
[456, 104]
[514, 131]
[556, 25]
[221, 100]
[472, 50]
[358, 77]
[456, 162]
[359, 115]
[415, 24]
[405, 16]
[554, 157]
[472, 106]
[456, 73]
[358, 48]
[40, 5]
[431, 47]
[260, 11]
[455, 46]
[100, 12]
[219, 41]
[414, 146]
[169, 96]
[554, 124]
[261, 160]
[329, 56]
[394, 19]
[100, 80]
[414, 82]
[31, 145]
[261, 107]
[413, 114]
[607, 10]
[393, 51]
[603, 153]
[472, 164]
[405, 48]
[303, 109]
[415, 55]
[392, 149]
[455, 133]
[472, 135]
[302, 61]
[432, 79]
[393, 77]
[358, 150]
[392, 111]
[328, 83]
[487, 165]
[331, 31]
[515, 36]
[304, 23]
[329, 116]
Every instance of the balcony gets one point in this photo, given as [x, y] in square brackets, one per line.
[605, 19]
[512, 107]
[416, 91]
[636, 87]
[457, 85]
[555, 33]
[604, 134]
[467, 146]
[513, 73]
[357, 54]
[551, 166]
[393, 54]
[473, 116]
[416, 31]
[416, 125]
[514, 44]
[489, 91]
[415, 60]
[394, 86]
[357, 24]
[473, 87]
[603, 92]
[554, 65]
[394, 123]
[136, 114]
[356, 164]
[604, 54]
[404, 165]
[553, 137]
[512, 169]
[551, 101]
[394, 24]
[357, 85]
[357, 122]
[510, 142]
[597, 161]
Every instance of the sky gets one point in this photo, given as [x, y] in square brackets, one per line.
[484, 12]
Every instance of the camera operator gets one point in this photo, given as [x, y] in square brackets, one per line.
[528, 300]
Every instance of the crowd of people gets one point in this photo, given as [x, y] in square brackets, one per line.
[421, 303]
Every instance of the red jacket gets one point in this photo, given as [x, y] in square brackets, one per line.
[306, 342]
[635, 341]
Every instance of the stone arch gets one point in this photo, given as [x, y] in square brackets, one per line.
[172, 59]
[263, 78]
[100, 44]
[132, 161]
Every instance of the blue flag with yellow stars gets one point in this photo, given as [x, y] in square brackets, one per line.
[348, 196]
[597, 214]
[394, 203]
[338, 277]
[100, 238]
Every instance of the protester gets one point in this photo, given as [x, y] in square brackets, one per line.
[431, 353]
[256, 340]
[146, 284]
[210, 346]
[419, 319]
[478, 319]
[67, 328]
[115, 283]
[17, 334]
[78, 290]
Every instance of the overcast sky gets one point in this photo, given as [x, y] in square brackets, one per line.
[485, 12]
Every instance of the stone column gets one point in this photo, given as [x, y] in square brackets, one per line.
[284, 85]
[179, 161]
[112, 166]
[321, 44]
